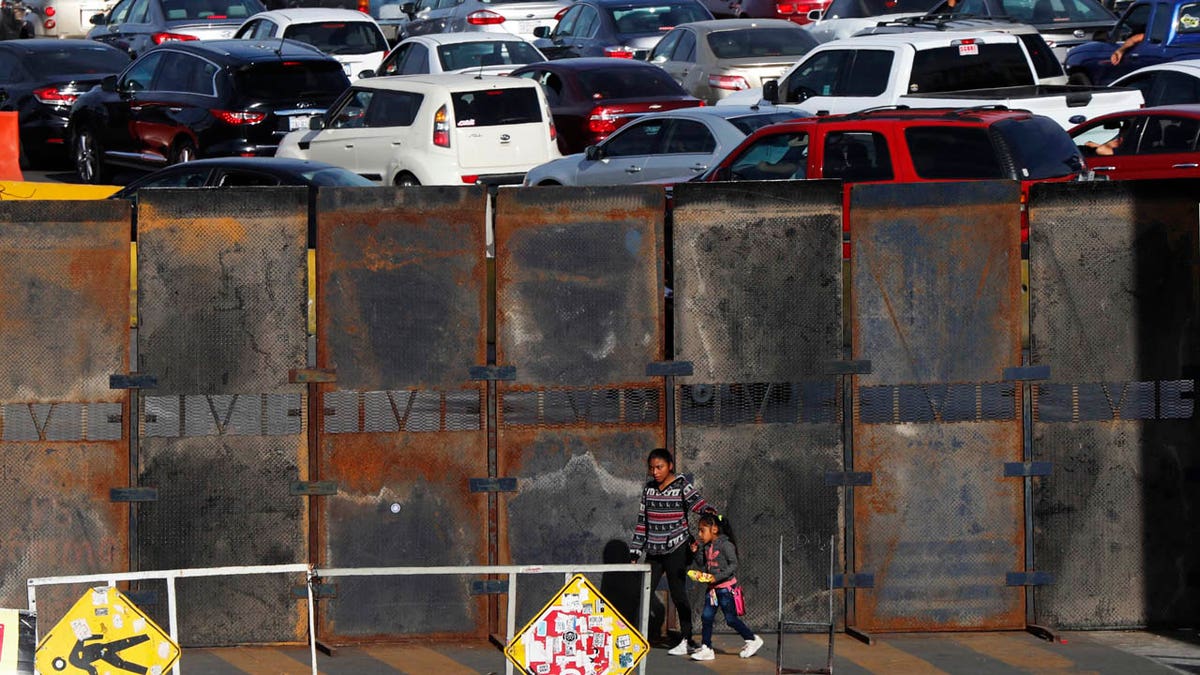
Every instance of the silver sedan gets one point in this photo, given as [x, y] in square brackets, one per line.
[660, 145]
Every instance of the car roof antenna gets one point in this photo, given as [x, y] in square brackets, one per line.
[479, 75]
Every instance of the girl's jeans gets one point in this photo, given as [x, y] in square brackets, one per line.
[725, 601]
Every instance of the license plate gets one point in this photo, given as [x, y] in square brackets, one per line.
[298, 122]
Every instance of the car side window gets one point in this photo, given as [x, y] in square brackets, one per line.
[1134, 22]
[641, 138]
[140, 75]
[247, 31]
[1172, 89]
[587, 23]
[689, 137]
[1168, 134]
[856, 156]
[393, 108]
[265, 29]
[685, 51]
[1120, 134]
[774, 157]
[972, 7]
[552, 84]
[119, 12]
[236, 178]
[391, 65]
[1161, 24]
[818, 76]
[566, 24]
[662, 51]
[140, 12]
[352, 113]
[869, 74]
[416, 61]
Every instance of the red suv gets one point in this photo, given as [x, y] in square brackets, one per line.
[903, 145]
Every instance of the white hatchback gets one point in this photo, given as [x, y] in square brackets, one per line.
[349, 36]
[433, 130]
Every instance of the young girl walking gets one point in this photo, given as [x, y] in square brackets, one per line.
[716, 561]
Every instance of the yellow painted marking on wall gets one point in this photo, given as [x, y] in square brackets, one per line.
[1019, 650]
[11, 189]
[417, 660]
[881, 658]
[256, 660]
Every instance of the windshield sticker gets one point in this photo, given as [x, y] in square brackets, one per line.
[1188, 22]
[968, 50]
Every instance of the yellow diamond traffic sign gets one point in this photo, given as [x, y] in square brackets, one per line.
[577, 633]
[105, 633]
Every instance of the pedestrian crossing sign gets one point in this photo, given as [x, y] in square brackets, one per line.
[105, 633]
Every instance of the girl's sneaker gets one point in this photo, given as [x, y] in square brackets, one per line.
[705, 653]
[680, 649]
[751, 648]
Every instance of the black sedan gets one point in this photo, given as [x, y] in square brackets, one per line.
[619, 28]
[40, 79]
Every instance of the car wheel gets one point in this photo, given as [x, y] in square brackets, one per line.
[548, 182]
[185, 151]
[1079, 78]
[89, 158]
[406, 180]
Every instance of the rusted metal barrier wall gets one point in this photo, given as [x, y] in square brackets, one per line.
[1115, 304]
[64, 297]
[758, 314]
[221, 298]
[403, 435]
[935, 308]
[579, 315]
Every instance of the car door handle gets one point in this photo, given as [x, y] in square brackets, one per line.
[633, 169]
[699, 167]
[1104, 168]
[175, 109]
[349, 146]
[1185, 166]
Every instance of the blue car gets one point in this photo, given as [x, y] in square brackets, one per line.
[619, 28]
[1148, 33]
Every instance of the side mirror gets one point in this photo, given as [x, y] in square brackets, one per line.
[814, 15]
[593, 153]
[98, 19]
[541, 32]
[770, 92]
[409, 8]
[109, 83]
[316, 123]
[366, 73]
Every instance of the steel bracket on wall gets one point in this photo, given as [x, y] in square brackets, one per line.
[133, 494]
[848, 478]
[132, 381]
[1021, 469]
[1026, 373]
[493, 484]
[857, 580]
[312, 488]
[1028, 579]
[489, 587]
[854, 367]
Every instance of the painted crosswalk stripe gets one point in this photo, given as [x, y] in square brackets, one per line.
[1019, 650]
[418, 660]
[881, 658]
[258, 660]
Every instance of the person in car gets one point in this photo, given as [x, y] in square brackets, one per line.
[1132, 42]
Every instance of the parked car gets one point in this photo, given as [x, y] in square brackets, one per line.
[711, 59]
[1168, 83]
[40, 79]
[58, 18]
[1171, 32]
[800, 12]
[212, 98]
[620, 28]
[244, 172]
[352, 38]
[518, 17]
[479, 53]
[1148, 143]
[432, 130]
[659, 145]
[1047, 66]
[1063, 23]
[844, 18]
[591, 98]
[138, 25]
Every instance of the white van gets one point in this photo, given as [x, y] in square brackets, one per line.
[433, 130]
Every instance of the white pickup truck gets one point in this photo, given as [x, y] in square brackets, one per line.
[939, 70]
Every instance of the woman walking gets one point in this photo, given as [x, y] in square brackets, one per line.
[662, 532]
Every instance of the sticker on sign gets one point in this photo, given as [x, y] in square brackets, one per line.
[968, 50]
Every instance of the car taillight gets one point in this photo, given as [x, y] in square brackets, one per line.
[730, 82]
[237, 117]
[52, 96]
[602, 121]
[785, 8]
[484, 17]
[49, 11]
[49, 24]
[470, 180]
[441, 128]
[619, 52]
[553, 129]
[364, 6]
[159, 38]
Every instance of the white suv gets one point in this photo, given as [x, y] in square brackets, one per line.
[433, 130]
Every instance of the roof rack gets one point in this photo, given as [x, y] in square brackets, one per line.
[940, 21]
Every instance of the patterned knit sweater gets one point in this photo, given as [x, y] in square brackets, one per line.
[662, 523]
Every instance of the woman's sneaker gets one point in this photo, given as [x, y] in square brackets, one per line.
[680, 649]
[751, 648]
[705, 653]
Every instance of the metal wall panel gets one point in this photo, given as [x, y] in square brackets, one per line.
[1115, 301]
[221, 299]
[579, 315]
[758, 312]
[935, 308]
[402, 281]
[64, 308]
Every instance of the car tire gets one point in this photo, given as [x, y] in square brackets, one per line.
[406, 179]
[1079, 78]
[184, 151]
[548, 182]
[89, 157]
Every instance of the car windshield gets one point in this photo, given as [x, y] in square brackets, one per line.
[289, 80]
[650, 19]
[339, 37]
[493, 53]
[1040, 12]
[186, 10]
[748, 124]
[494, 107]
[610, 83]
[757, 42]
[1040, 148]
[78, 61]
[336, 176]
[858, 9]
[979, 65]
